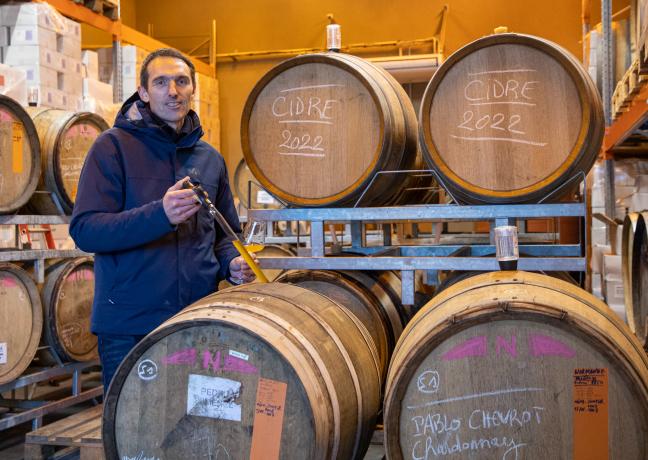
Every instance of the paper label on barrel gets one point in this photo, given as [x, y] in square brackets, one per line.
[268, 419]
[3, 352]
[590, 414]
[264, 197]
[17, 148]
[213, 397]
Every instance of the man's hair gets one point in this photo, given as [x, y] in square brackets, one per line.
[165, 52]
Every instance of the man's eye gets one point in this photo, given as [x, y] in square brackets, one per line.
[159, 82]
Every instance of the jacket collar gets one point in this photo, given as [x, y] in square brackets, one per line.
[136, 117]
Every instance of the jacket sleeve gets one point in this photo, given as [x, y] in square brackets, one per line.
[223, 248]
[99, 222]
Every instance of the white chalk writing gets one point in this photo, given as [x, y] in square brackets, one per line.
[476, 395]
[140, 456]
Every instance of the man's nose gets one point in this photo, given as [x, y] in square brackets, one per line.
[172, 88]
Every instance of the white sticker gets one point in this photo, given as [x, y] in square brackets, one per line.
[264, 197]
[3, 352]
[238, 354]
[213, 397]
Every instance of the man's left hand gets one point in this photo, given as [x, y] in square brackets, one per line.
[240, 271]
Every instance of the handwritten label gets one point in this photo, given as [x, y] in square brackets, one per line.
[3, 352]
[268, 419]
[439, 434]
[147, 370]
[17, 147]
[140, 456]
[590, 414]
[502, 87]
[302, 106]
[213, 397]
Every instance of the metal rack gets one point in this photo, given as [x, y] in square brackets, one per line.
[38, 256]
[34, 410]
[407, 259]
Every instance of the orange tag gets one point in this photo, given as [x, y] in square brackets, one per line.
[17, 147]
[268, 420]
[590, 414]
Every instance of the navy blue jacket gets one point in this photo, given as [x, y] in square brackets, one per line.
[146, 270]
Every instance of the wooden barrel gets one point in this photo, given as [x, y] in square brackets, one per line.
[67, 301]
[249, 192]
[493, 121]
[364, 297]
[65, 140]
[20, 162]
[273, 250]
[261, 371]
[318, 127]
[517, 365]
[634, 265]
[21, 321]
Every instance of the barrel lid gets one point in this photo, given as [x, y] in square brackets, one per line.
[314, 115]
[507, 115]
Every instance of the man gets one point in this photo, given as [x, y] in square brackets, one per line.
[156, 249]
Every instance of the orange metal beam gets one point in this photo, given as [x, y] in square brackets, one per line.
[134, 37]
[626, 123]
[81, 13]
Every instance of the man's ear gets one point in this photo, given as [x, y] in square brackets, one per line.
[143, 94]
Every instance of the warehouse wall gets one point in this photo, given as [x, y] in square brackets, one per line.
[249, 25]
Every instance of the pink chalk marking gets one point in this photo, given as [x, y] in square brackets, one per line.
[5, 116]
[235, 364]
[511, 349]
[81, 275]
[8, 283]
[473, 347]
[208, 361]
[186, 356]
[87, 130]
[541, 345]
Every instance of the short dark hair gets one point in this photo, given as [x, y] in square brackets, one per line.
[165, 52]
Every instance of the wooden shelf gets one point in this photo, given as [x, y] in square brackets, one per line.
[120, 31]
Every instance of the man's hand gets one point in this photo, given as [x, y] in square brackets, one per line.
[240, 271]
[180, 204]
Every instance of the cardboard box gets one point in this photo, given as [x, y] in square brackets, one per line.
[129, 86]
[90, 62]
[639, 202]
[133, 55]
[206, 89]
[40, 76]
[70, 83]
[24, 55]
[68, 46]
[98, 90]
[13, 83]
[32, 35]
[32, 14]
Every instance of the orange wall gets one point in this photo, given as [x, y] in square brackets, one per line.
[249, 25]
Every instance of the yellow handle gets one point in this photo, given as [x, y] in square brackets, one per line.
[250, 261]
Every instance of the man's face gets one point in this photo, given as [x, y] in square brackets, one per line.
[169, 89]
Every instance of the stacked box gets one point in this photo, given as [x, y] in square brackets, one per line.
[132, 58]
[13, 83]
[98, 98]
[90, 64]
[205, 104]
[34, 37]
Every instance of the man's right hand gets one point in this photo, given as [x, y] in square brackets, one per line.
[180, 204]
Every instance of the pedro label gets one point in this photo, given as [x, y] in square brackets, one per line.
[268, 420]
[17, 148]
[3, 352]
[590, 414]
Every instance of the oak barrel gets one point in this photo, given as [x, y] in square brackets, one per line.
[67, 294]
[363, 296]
[66, 138]
[260, 371]
[494, 123]
[21, 321]
[318, 127]
[249, 192]
[517, 365]
[634, 265]
[273, 250]
[20, 163]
